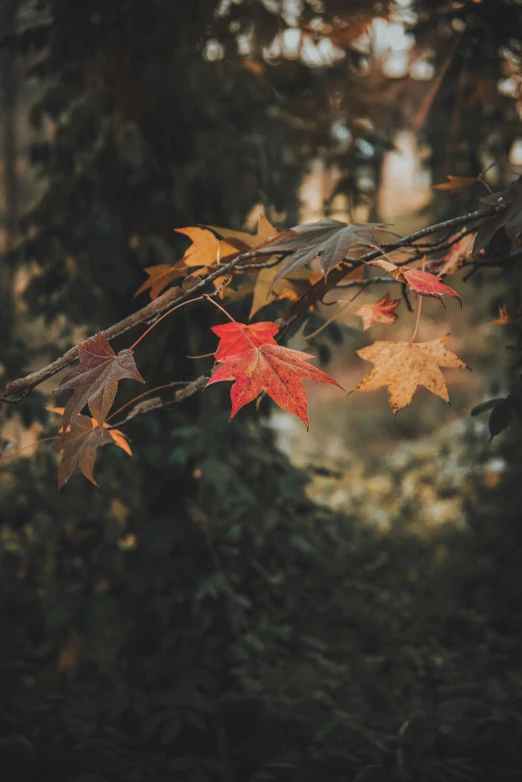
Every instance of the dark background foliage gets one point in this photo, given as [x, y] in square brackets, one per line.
[198, 618]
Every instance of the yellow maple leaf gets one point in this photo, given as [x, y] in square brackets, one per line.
[403, 366]
[206, 249]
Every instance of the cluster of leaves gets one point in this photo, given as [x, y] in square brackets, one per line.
[250, 354]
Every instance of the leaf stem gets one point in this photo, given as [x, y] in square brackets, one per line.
[209, 297]
[419, 309]
[153, 325]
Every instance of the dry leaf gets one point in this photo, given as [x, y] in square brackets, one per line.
[95, 380]
[120, 439]
[403, 366]
[330, 239]
[458, 254]
[78, 446]
[382, 311]
[206, 249]
[457, 183]
[160, 276]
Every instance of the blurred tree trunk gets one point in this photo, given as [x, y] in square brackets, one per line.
[8, 107]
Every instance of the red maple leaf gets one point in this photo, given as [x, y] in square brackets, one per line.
[236, 337]
[382, 311]
[95, 380]
[423, 283]
[426, 284]
[272, 368]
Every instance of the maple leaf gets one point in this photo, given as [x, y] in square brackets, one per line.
[118, 437]
[423, 283]
[457, 183]
[206, 249]
[510, 220]
[330, 239]
[78, 446]
[382, 311]
[505, 317]
[403, 366]
[456, 256]
[160, 276]
[272, 368]
[237, 337]
[95, 380]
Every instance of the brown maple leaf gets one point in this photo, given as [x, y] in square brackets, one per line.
[382, 311]
[95, 380]
[403, 366]
[78, 446]
[272, 368]
[118, 437]
[330, 239]
[160, 276]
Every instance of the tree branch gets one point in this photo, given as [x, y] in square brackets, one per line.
[146, 314]
[160, 305]
[318, 291]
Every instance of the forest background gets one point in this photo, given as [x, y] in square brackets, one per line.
[246, 601]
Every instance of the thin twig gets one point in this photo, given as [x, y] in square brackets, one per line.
[417, 319]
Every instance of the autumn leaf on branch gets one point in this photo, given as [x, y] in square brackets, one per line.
[404, 366]
[237, 337]
[119, 438]
[330, 239]
[460, 252]
[457, 183]
[95, 380]
[160, 276]
[382, 311]
[78, 447]
[264, 289]
[206, 249]
[272, 368]
[423, 283]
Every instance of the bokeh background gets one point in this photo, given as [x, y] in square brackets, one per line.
[247, 601]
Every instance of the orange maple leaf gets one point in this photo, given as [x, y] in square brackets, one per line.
[505, 317]
[382, 311]
[272, 368]
[160, 276]
[457, 183]
[236, 337]
[403, 366]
